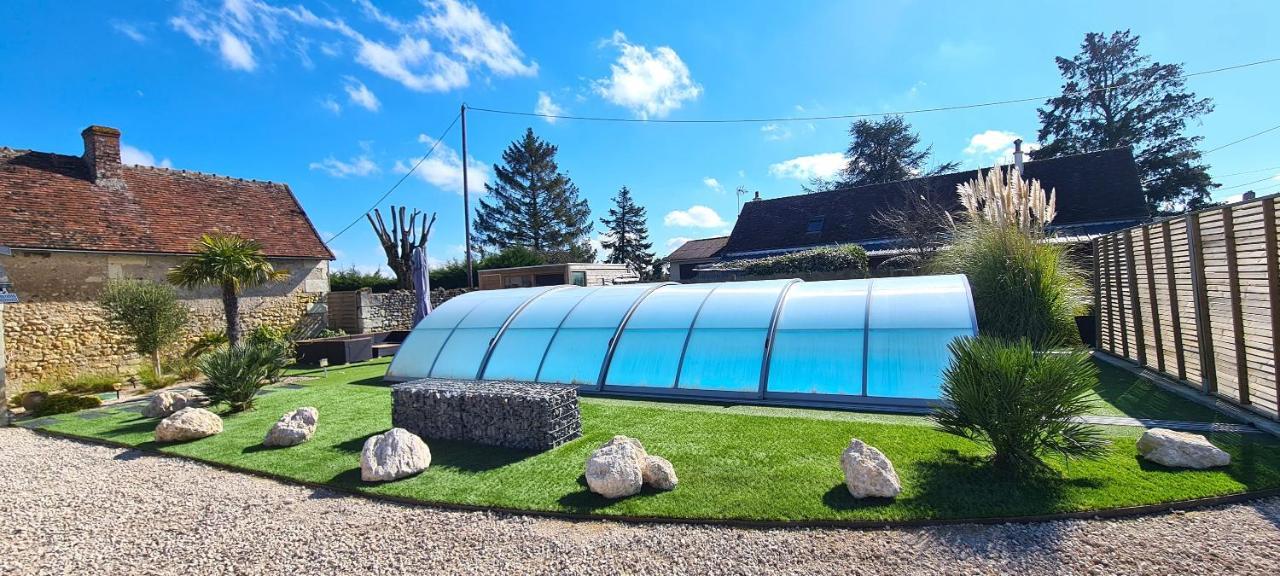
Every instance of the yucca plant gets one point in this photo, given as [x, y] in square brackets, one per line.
[1022, 403]
[234, 374]
[231, 263]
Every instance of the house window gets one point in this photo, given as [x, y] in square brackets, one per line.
[815, 225]
[580, 278]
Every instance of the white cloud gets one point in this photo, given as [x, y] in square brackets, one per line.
[328, 103]
[360, 94]
[138, 157]
[713, 184]
[805, 168]
[129, 30]
[547, 107]
[676, 242]
[360, 165]
[235, 52]
[994, 146]
[775, 132]
[650, 84]
[696, 216]
[245, 30]
[443, 169]
[413, 64]
[477, 40]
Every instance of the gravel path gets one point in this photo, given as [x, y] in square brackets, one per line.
[73, 508]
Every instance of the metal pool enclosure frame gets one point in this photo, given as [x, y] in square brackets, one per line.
[880, 341]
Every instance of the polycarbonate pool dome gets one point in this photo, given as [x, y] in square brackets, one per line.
[881, 340]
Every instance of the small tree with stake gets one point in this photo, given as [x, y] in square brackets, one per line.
[399, 242]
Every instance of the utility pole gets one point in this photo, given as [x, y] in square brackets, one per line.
[466, 200]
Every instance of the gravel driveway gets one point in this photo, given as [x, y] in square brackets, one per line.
[73, 508]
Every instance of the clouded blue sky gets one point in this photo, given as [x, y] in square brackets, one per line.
[338, 98]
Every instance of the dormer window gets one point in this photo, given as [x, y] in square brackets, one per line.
[815, 225]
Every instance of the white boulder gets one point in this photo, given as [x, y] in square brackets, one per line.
[393, 455]
[293, 428]
[616, 469]
[867, 472]
[659, 473]
[1180, 449]
[166, 402]
[188, 424]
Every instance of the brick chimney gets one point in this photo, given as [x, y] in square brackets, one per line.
[102, 156]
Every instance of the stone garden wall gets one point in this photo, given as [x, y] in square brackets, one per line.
[58, 330]
[364, 311]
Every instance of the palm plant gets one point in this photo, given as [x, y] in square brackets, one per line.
[1022, 403]
[231, 263]
[234, 374]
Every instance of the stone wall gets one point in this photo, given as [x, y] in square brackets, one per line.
[509, 414]
[365, 311]
[58, 330]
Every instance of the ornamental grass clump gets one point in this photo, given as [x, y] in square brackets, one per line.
[235, 373]
[1024, 286]
[1022, 403]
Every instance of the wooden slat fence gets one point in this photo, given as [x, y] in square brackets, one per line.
[1197, 298]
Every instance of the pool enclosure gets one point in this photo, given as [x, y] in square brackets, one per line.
[873, 341]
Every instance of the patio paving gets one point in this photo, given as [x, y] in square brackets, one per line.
[72, 507]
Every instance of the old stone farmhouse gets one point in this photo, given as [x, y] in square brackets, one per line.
[75, 222]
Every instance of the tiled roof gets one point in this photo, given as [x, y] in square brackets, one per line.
[699, 249]
[49, 201]
[1094, 187]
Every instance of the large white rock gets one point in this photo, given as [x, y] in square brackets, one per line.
[867, 472]
[616, 469]
[659, 473]
[393, 455]
[166, 402]
[188, 424]
[1180, 449]
[293, 428]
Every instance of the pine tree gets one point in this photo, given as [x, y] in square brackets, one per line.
[1112, 96]
[628, 234]
[534, 205]
[883, 151]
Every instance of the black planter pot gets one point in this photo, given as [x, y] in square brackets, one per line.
[1088, 327]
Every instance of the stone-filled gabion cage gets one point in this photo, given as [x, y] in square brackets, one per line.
[495, 413]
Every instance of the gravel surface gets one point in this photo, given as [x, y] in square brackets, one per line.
[72, 508]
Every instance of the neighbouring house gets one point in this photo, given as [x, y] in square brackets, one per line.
[75, 222]
[685, 259]
[1097, 193]
[581, 274]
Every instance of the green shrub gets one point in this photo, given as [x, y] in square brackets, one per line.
[234, 374]
[331, 333]
[352, 279]
[148, 378]
[91, 383]
[1022, 403]
[64, 403]
[205, 343]
[826, 259]
[1023, 287]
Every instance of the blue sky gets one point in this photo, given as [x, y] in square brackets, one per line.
[336, 98]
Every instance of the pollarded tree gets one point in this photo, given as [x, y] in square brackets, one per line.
[531, 203]
[628, 234]
[1112, 96]
[231, 263]
[885, 151]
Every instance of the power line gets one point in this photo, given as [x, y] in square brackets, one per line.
[398, 182]
[1250, 172]
[1249, 137]
[854, 116]
[1245, 184]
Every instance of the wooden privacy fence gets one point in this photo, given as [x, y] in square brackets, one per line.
[1197, 298]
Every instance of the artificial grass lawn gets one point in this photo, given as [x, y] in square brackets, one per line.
[731, 464]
